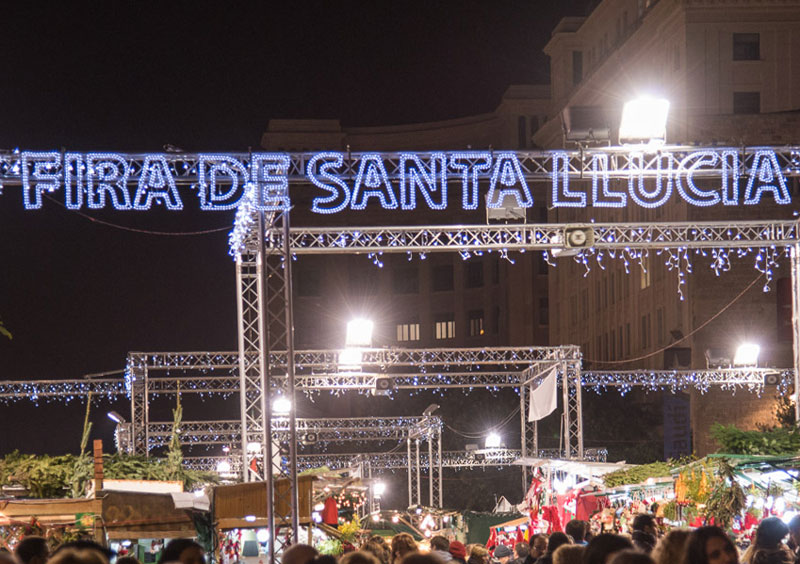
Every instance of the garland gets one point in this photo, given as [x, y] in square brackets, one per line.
[767, 442]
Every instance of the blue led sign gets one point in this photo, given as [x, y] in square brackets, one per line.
[403, 181]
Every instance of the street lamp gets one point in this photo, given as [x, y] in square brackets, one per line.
[116, 417]
[493, 440]
[359, 333]
[746, 355]
[644, 121]
[378, 489]
[281, 406]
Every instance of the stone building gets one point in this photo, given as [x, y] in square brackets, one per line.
[731, 71]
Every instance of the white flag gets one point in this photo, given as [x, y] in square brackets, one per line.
[543, 397]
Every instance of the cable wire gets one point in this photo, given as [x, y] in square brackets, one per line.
[143, 231]
[662, 349]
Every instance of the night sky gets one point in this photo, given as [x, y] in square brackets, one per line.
[77, 294]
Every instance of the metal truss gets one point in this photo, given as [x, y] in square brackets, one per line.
[324, 430]
[751, 379]
[544, 237]
[453, 460]
[535, 165]
[63, 390]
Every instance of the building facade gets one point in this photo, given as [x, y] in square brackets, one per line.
[731, 71]
[441, 299]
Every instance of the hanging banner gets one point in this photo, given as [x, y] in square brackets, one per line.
[543, 398]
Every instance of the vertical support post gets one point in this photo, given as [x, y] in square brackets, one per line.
[439, 464]
[266, 407]
[410, 467]
[242, 366]
[419, 482]
[290, 373]
[578, 406]
[795, 252]
[565, 402]
[430, 470]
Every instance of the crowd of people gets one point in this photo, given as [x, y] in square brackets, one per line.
[774, 542]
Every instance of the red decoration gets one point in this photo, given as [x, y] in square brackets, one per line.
[330, 513]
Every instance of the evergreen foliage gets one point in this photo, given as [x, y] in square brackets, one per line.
[774, 441]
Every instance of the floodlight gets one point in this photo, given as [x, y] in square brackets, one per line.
[281, 405]
[253, 446]
[644, 121]
[746, 355]
[350, 359]
[223, 467]
[116, 417]
[378, 489]
[359, 333]
[493, 440]
[376, 517]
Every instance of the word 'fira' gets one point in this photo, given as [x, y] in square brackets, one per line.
[404, 181]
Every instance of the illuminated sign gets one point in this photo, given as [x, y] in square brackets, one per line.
[401, 181]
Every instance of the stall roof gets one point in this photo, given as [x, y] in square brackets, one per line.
[579, 467]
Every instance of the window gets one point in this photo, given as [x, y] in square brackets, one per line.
[408, 331]
[496, 270]
[445, 327]
[406, 280]
[644, 278]
[443, 278]
[660, 325]
[605, 292]
[307, 282]
[746, 102]
[522, 132]
[573, 310]
[613, 287]
[362, 281]
[746, 47]
[475, 317]
[544, 311]
[643, 336]
[598, 289]
[534, 123]
[599, 350]
[496, 320]
[628, 339]
[584, 304]
[474, 278]
[543, 266]
[619, 343]
[577, 67]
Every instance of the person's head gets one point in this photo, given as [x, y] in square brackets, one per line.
[402, 544]
[630, 557]
[521, 550]
[557, 539]
[438, 542]
[479, 553]
[794, 530]
[7, 557]
[419, 558]
[710, 545]
[32, 550]
[359, 557]
[78, 556]
[85, 544]
[670, 547]
[569, 554]
[457, 550]
[538, 544]
[646, 523]
[185, 551]
[576, 529]
[770, 533]
[503, 554]
[380, 551]
[127, 560]
[602, 546]
[295, 554]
